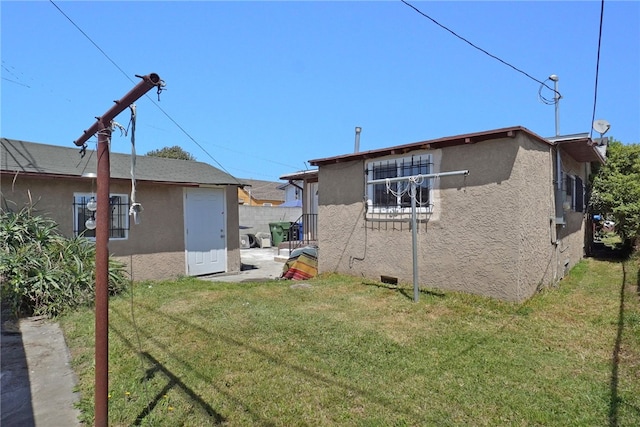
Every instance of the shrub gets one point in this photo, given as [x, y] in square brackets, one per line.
[45, 273]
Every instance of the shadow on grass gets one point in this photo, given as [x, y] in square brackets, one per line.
[603, 252]
[309, 373]
[616, 401]
[407, 292]
[174, 381]
[613, 383]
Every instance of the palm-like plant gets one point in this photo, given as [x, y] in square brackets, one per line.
[44, 273]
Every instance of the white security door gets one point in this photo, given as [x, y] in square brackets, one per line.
[205, 233]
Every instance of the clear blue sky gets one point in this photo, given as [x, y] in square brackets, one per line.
[266, 86]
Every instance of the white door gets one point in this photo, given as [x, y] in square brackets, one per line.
[205, 233]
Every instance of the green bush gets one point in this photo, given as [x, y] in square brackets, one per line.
[45, 273]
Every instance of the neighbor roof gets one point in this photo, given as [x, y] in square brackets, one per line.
[52, 160]
[264, 190]
[580, 147]
[307, 175]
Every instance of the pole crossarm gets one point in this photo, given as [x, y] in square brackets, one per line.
[148, 81]
[102, 127]
[417, 177]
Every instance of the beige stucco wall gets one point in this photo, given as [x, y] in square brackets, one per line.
[161, 227]
[154, 266]
[571, 241]
[491, 232]
[51, 197]
[155, 247]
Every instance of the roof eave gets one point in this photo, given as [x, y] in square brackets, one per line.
[582, 149]
[471, 138]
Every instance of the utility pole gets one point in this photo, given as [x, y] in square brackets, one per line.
[103, 128]
[556, 99]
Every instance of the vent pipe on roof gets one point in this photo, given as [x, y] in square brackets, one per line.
[357, 143]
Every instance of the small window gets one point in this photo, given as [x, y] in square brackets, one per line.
[579, 195]
[118, 216]
[574, 193]
[394, 197]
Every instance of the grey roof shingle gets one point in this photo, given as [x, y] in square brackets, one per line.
[31, 157]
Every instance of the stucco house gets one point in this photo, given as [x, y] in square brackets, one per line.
[513, 225]
[188, 226]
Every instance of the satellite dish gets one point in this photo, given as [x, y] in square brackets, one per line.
[601, 126]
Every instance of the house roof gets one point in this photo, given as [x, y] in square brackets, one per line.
[308, 175]
[580, 146]
[51, 160]
[264, 190]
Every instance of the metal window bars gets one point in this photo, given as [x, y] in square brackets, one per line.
[118, 217]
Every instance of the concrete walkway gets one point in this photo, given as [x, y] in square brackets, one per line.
[36, 379]
[258, 264]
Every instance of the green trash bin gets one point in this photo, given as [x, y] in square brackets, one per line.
[279, 232]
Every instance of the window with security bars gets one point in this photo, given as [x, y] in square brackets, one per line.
[395, 197]
[118, 216]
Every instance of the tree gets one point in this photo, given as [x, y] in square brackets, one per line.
[616, 190]
[174, 152]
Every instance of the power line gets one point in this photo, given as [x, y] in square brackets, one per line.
[147, 96]
[595, 91]
[92, 42]
[17, 78]
[18, 83]
[475, 46]
[131, 80]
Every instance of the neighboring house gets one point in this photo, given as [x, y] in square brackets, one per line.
[292, 193]
[260, 193]
[306, 182]
[189, 225]
[513, 225]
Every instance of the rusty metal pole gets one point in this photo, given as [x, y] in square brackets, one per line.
[103, 128]
[102, 277]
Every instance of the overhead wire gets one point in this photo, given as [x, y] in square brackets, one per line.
[595, 91]
[131, 80]
[89, 38]
[477, 47]
[167, 115]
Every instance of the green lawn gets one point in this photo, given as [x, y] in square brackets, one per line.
[351, 352]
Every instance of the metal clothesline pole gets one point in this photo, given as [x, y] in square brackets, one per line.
[102, 127]
[414, 223]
